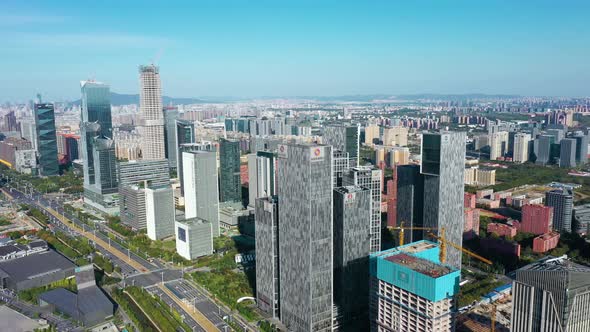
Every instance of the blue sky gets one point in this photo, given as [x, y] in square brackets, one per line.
[294, 48]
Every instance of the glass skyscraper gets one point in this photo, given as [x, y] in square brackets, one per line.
[100, 175]
[46, 139]
[229, 175]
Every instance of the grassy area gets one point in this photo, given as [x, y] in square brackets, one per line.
[4, 221]
[32, 295]
[224, 280]
[521, 174]
[479, 286]
[137, 317]
[68, 182]
[167, 319]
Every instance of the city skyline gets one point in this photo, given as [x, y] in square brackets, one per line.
[298, 48]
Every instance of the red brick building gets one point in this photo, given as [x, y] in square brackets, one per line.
[469, 200]
[502, 229]
[545, 242]
[536, 219]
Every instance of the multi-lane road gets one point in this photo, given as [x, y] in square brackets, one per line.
[138, 271]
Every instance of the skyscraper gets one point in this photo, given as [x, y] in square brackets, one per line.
[410, 200]
[567, 152]
[443, 166]
[150, 110]
[46, 139]
[352, 209]
[368, 177]
[305, 236]
[581, 147]
[521, 148]
[562, 201]
[345, 139]
[229, 171]
[551, 295]
[171, 148]
[543, 149]
[498, 144]
[267, 255]
[159, 204]
[95, 128]
[201, 189]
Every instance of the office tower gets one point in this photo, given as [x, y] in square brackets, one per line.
[367, 177]
[230, 187]
[188, 147]
[67, 145]
[371, 133]
[252, 180]
[536, 219]
[558, 135]
[543, 149]
[28, 131]
[395, 136]
[410, 200]
[201, 189]
[171, 115]
[345, 139]
[352, 209]
[159, 204]
[133, 177]
[46, 139]
[443, 160]
[551, 295]
[185, 134]
[305, 236]
[521, 148]
[193, 238]
[267, 255]
[392, 200]
[150, 111]
[95, 127]
[562, 201]
[105, 165]
[498, 144]
[341, 165]
[581, 147]
[411, 290]
[567, 152]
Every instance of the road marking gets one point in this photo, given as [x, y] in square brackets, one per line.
[191, 310]
[98, 240]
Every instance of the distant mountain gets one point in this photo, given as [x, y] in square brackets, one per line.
[127, 99]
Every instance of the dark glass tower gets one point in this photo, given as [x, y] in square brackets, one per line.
[46, 139]
[230, 187]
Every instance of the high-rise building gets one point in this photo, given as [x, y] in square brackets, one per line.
[536, 219]
[410, 200]
[498, 144]
[371, 133]
[562, 201]
[185, 134]
[132, 206]
[567, 152]
[267, 255]
[368, 177]
[201, 190]
[543, 149]
[193, 238]
[345, 139]
[395, 136]
[352, 209]
[305, 236]
[521, 148]
[171, 115]
[557, 134]
[252, 180]
[410, 290]
[261, 175]
[398, 156]
[551, 295]
[46, 139]
[159, 204]
[150, 111]
[188, 147]
[340, 166]
[95, 127]
[230, 186]
[443, 160]
[28, 131]
[581, 147]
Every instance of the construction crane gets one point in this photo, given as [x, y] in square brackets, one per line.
[493, 318]
[443, 242]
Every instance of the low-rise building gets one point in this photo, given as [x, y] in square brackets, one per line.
[536, 219]
[502, 230]
[194, 238]
[35, 270]
[545, 242]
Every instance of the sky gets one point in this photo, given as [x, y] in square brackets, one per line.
[296, 48]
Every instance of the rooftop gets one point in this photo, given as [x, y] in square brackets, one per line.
[35, 265]
[551, 263]
[419, 265]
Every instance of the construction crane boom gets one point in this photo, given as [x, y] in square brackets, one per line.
[444, 242]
